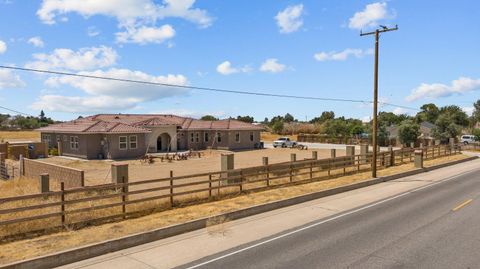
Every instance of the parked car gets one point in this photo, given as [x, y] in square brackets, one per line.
[467, 139]
[284, 142]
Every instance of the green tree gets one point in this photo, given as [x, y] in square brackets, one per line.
[277, 127]
[476, 133]
[455, 114]
[429, 112]
[476, 112]
[335, 128]
[209, 117]
[288, 118]
[408, 132]
[248, 119]
[326, 115]
[446, 127]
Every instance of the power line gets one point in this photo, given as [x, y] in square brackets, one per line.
[15, 111]
[199, 88]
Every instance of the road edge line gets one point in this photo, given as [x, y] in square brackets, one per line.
[98, 249]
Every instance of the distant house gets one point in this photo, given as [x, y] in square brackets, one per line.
[426, 133]
[117, 136]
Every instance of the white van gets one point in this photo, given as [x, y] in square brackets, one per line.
[466, 139]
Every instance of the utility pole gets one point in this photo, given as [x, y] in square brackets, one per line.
[375, 95]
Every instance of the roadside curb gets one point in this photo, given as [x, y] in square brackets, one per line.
[97, 249]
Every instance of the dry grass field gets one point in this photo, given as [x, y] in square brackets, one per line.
[74, 238]
[269, 137]
[12, 136]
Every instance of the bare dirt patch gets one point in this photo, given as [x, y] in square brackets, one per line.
[98, 171]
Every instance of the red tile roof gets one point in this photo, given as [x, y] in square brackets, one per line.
[88, 125]
[137, 123]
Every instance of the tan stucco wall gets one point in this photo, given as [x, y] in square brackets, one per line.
[151, 138]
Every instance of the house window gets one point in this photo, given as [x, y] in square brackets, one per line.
[74, 142]
[122, 142]
[219, 137]
[237, 137]
[133, 141]
[205, 137]
[192, 139]
[46, 139]
[251, 136]
[197, 137]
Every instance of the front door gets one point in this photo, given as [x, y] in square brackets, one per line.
[159, 144]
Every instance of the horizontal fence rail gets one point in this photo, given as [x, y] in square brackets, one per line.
[86, 205]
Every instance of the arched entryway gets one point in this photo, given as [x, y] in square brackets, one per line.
[163, 143]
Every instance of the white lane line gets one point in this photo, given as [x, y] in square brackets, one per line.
[325, 221]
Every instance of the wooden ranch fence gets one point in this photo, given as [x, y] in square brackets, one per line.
[94, 204]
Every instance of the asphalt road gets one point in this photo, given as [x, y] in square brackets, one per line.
[433, 227]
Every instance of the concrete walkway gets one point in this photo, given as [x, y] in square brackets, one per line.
[192, 248]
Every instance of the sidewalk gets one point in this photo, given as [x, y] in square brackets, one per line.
[185, 248]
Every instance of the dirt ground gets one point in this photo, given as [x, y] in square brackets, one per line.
[98, 171]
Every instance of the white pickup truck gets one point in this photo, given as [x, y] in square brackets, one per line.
[284, 142]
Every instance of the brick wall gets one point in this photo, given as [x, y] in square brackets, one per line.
[72, 177]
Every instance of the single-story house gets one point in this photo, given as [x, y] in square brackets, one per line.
[117, 136]
[426, 133]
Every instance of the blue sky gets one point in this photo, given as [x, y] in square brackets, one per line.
[308, 48]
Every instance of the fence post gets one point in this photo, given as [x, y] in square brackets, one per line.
[291, 172]
[241, 181]
[3, 166]
[412, 145]
[124, 198]
[314, 155]
[227, 162]
[210, 185]
[21, 165]
[392, 156]
[265, 163]
[293, 157]
[44, 183]
[363, 153]
[62, 199]
[418, 159]
[451, 142]
[171, 188]
[311, 169]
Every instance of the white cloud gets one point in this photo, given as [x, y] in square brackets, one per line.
[83, 59]
[459, 86]
[10, 80]
[273, 66]
[107, 95]
[3, 47]
[370, 16]
[88, 104]
[92, 31]
[131, 14]
[342, 55]
[366, 119]
[144, 35]
[290, 19]
[226, 68]
[36, 41]
[469, 110]
[400, 111]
